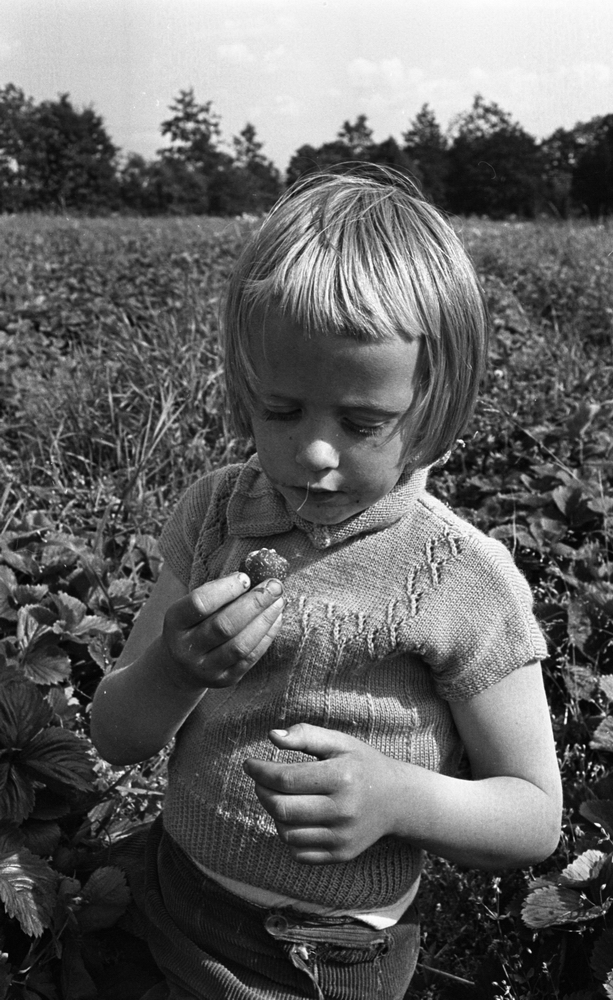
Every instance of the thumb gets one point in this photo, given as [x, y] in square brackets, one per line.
[313, 740]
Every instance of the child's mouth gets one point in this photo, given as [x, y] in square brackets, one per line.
[319, 496]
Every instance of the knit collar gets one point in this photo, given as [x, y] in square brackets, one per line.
[257, 509]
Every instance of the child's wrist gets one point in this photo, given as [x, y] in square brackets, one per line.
[178, 676]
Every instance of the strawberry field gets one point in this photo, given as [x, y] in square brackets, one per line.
[110, 405]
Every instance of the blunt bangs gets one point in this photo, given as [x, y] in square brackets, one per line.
[364, 256]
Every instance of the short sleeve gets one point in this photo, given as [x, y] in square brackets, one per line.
[181, 532]
[478, 624]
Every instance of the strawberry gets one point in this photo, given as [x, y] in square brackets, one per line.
[261, 564]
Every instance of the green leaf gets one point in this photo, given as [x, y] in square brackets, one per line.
[99, 648]
[57, 557]
[601, 960]
[105, 898]
[580, 682]
[11, 837]
[579, 624]
[46, 665]
[65, 706]
[601, 505]
[606, 686]
[76, 980]
[608, 986]
[8, 583]
[517, 533]
[23, 713]
[22, 561]
[96, 625]
[599, 812]
[150, 548]
[9, 669]
[59, 758]
[603, 735]
[553, 905]
[27, 890]
[603, 788]
[41, 837]
[33, 622]
[49, 804]
[17, 791]
[585, 868]
[572, 502]
[30, 594]
[70, 610]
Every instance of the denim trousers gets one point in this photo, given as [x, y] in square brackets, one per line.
[212, 945]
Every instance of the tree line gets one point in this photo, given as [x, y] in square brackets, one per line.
[54, 157]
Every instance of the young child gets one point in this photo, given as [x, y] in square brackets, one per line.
[319, 722]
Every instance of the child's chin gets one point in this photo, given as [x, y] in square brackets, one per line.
[326, 513]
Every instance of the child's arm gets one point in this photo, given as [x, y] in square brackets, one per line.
[508, 815]
[181, 644]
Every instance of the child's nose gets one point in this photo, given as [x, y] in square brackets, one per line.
[317, 452]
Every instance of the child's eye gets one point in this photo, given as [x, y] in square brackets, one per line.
[279, 414]
[361, 430]
[364, 430]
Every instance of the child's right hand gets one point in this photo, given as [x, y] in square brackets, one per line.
[216, 633]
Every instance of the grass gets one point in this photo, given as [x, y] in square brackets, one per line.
[111, 403]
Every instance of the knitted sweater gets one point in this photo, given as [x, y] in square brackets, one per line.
[390, 615]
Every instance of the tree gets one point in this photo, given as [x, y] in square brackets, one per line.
[194, 158]
[159, 186]
[53, 156]
[250, 184]
[494, 166]
[194, 131]
[357, 137]
[428, 148]
[559, 153]
[310, 159]
[353, 143]
[592, 183]
[16, 135]
[72, 162]
[389, 153]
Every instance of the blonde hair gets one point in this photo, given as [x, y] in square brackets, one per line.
[363, 255]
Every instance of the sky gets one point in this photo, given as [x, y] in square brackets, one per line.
[297, 69]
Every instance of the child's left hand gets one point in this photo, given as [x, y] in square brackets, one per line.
[331, 809]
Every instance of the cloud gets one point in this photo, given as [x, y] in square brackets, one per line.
[592, 73]
[8, 48]
[288, 106]
[237, 53]
[368, 73]
[274, 59]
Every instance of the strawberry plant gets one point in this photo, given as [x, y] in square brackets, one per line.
[110, 404]
[62, 614]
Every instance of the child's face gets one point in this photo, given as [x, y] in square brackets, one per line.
[328, 423]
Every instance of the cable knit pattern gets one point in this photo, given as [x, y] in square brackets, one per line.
[390, 615]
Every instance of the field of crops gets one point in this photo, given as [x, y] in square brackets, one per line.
[110, 404]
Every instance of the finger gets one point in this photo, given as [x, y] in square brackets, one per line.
[221, 626]
[308, 856]
[310, 838]
[204, 601]
[236, 618]
[316, 845]
[313, 740]
[297, 810]
[305, 778]
[232, 660]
